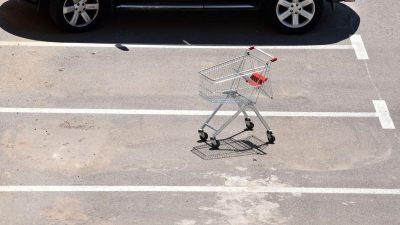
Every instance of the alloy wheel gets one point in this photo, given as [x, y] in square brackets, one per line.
[295, 13]
[80, 13]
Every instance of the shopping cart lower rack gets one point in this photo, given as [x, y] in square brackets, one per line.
[237, 81]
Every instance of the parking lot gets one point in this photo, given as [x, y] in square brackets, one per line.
[101, 127]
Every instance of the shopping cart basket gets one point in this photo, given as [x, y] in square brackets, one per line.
[237, 81]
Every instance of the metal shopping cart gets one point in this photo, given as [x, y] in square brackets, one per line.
[237, 81]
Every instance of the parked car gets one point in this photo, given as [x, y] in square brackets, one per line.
[290, 16]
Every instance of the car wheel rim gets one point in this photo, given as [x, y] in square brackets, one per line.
[295, 13]
[80, 13]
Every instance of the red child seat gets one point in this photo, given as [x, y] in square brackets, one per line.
[257, 80]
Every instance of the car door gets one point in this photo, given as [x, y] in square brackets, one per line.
[231, 4]
[159, 4]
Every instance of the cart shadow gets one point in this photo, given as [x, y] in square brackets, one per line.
[197, 28]
[231, 147]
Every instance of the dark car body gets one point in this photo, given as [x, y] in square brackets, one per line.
[116, 4]
[291, 16]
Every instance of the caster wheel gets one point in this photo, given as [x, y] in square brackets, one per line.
[249, 124]
[271, 137]
[215, 143]
[203, 136]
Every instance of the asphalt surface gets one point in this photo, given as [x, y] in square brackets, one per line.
[160, 150]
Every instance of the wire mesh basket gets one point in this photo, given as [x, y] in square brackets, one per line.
[238, 80]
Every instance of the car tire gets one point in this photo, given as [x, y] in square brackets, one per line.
[294, 16]
[77, 15]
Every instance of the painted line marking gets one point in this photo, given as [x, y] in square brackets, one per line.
[359, 48]
[212, 189]
[183, 46]
[383, 114]
[179, 112]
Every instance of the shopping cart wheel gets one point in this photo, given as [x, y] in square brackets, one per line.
[271, 137]
[215, 143]
[249, 124]
[203, 135]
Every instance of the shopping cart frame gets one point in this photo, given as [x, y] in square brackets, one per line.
[242, 107]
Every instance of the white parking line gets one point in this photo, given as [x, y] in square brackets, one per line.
[212, 189]
[179, 112]
[381, 112]
[359, 48]
[101, 45]
[356, 44]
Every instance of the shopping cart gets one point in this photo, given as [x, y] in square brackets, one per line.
[237, 81]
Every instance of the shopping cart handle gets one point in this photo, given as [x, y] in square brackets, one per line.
[253, 47]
